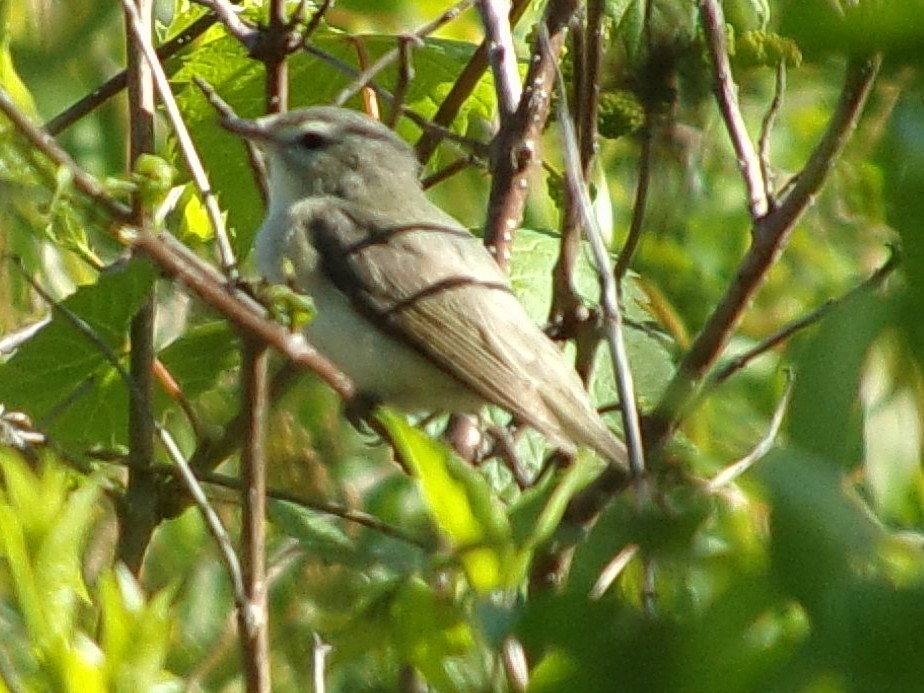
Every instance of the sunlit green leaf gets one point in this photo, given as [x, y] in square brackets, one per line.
[460, 502]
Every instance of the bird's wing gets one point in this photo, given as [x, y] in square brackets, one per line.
[436, 287]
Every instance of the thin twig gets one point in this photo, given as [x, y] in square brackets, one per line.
[727, 96]
[733, 471]
[211, 452]
[118, 82]
[187, 148]
[766, 127]
[462, 87]
[515, 664]
[567, 311]
[588, 99]
[312, 25]
[222, 645]
[613, 570]
[495, 16]
[405, 75]
[11, 341]
[472, 145]
[137, 511]
[609, 289]
[45, 143]
[210, 286]
[212, 521]
[254, 158]
[634, 237]
[365, 77]
[278, 41]
[448, 171]
[732, 366]
[319, 652]
[351, 515]
[237, 27]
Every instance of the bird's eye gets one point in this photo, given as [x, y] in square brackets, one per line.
[311, 141]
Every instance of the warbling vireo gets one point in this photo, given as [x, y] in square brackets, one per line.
[410, 305]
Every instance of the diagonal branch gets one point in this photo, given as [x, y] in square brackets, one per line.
[735, 364]
[366, 76]
[45, 143]
[770, 235]
[726, 92]
[119, 81]
[137, 509]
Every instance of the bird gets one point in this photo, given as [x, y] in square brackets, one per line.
[409, 304]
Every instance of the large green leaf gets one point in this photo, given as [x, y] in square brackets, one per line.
[534, 256]
[63, 378]
[461, 504]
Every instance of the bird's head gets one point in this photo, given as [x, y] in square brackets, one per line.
[331, 151]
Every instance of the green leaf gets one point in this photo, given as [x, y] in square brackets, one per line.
[460, 502]
[10, 80]
[63, 379]
[537, 513]
[201, 355]
[136, 633]
[427, 629]
[857, 27]
[44, 525]
[319, 535]
[825, 416]
[818, 534]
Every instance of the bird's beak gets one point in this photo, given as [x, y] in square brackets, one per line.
[249, 129]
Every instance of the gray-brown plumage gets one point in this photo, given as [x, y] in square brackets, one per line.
[409, 304]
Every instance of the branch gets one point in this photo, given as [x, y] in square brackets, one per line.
[766, 125]
[726, 93]
[609, 289]
[365, 77]
[212, 521]
[180, 263]
[253, 619]
[187, 148]
[770, 235]
[46, 144]
[181, 468]
[640, 207]
[237, 27]
[118, 82]
[277, 41]
[405, 75]
[734, 365]
[515, 148]
[764, 445]
[137, 509]
[495, 15]
[462, 88]
[473, 145]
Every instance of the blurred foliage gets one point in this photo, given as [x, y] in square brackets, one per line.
[804, 575]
